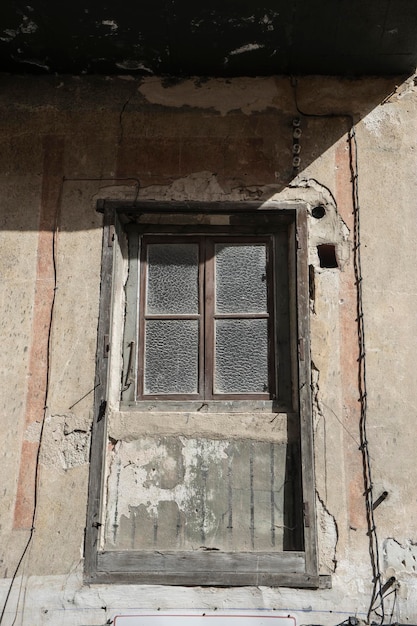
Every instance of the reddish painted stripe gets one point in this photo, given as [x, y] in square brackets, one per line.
[53, 157]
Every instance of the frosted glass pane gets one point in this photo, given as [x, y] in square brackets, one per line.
[241, 285]
[241, 361]
[171, 356]
[172, 278]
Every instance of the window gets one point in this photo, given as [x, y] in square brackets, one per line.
[205, 318]
[208, 388]
[208, 309]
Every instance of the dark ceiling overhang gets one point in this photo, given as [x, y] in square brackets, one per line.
[209, 37]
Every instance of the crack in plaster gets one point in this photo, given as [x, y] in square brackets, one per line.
[330, 531]
[330, 228]
[318, 416]
[122, 112]
[329, 535]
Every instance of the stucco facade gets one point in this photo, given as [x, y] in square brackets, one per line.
[68, 143]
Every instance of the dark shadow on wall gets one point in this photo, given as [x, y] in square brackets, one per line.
[148, 136]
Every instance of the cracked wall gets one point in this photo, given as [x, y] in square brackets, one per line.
[68, 142]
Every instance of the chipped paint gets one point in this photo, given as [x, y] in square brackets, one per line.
[379, 119]
[34, 62]
[111, 24]
[294, 51]
[218, 94]
[182, 493]
[134, 465]
[129, 425]
[400, 557]
[28, 26]
[11, 34]
[63, 446]
[132, 65]
[249, 47]
[267, 22]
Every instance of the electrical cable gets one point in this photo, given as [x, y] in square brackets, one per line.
[45, 407]
[393, 605]
[385, 596]
[362, 382]
[48, 362]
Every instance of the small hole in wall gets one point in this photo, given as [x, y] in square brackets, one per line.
[327, 255]
[318, 212]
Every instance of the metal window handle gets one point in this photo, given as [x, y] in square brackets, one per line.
[129, 374]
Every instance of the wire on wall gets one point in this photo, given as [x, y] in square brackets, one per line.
[45, 407]
[48, 372]
[377, 589]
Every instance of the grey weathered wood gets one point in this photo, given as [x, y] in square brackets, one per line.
[156, 206]
[98, 435]
[131, 321]
[211, 406]
[292, 569]
[202, 561]
[282, 318]
[304, 386]
[232, 579]
[286, 569]
[207, 569]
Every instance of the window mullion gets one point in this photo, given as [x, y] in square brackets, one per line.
[209, 310]
[272, 347]
[202, 316]
[142, 309]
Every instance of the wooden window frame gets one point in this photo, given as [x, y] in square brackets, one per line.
[288, 568]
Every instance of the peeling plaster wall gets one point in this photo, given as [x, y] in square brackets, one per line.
[68, 142]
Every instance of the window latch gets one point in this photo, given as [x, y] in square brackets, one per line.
[129, 373]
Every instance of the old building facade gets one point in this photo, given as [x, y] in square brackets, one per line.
[285, 488]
